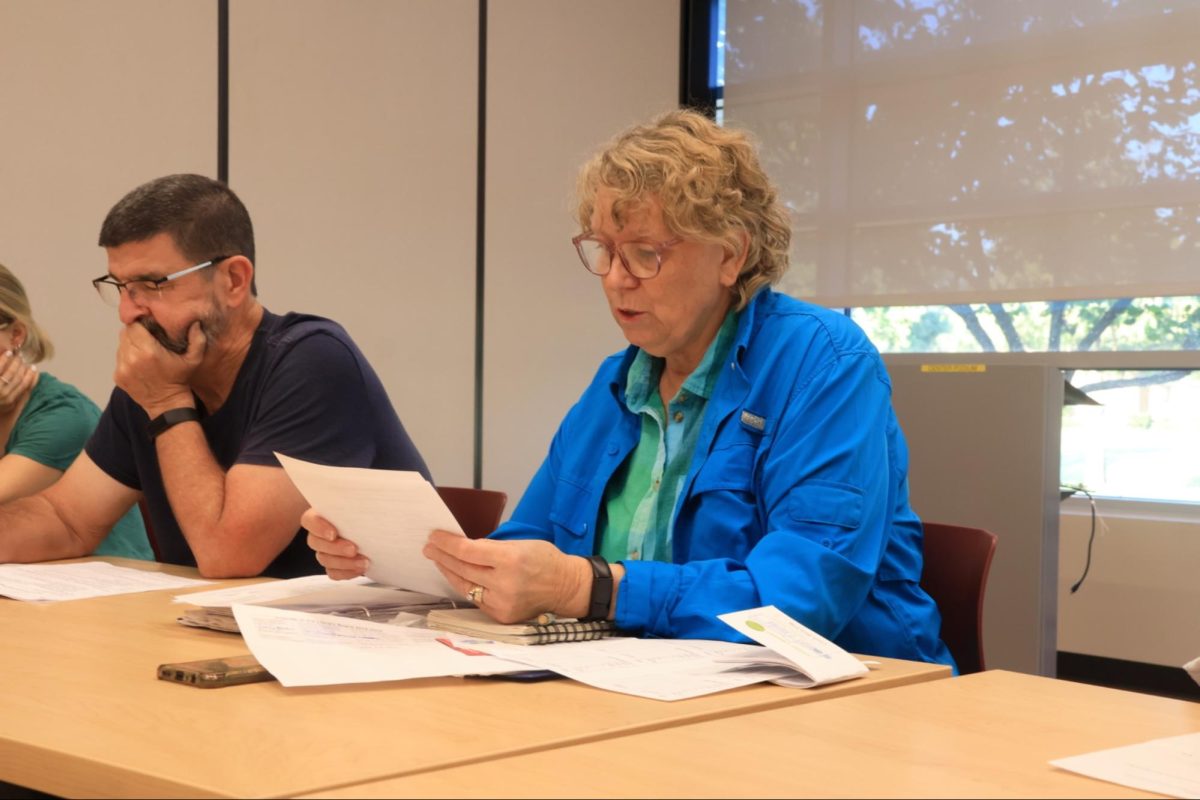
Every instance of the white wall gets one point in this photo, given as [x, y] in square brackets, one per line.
[1141, 598]
[97, 98]
[352, 142]
[564, 76]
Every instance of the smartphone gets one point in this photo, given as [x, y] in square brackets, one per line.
[213, 672]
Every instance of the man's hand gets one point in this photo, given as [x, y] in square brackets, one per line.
[520, 578]
[339, 557]
[156, 378]
[16, 379]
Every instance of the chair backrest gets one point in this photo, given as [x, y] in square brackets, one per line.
[478, 511]
[957, 560]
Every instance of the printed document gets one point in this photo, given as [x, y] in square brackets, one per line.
[660, 669]
[817, 660]
[1168, 766]
[302, 649]
[389, 514]
[263, 592]
[317, 594]
[43, 582]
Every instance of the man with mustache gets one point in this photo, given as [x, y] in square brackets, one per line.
[209, 384]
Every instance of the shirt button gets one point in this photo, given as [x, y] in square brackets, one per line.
[612, 448]
[635, 555]
[679, 416]
[657, 483]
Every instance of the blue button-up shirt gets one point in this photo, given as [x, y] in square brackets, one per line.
[796, 495]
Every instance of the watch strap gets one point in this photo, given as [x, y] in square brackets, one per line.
[171, 418]
[602, 589]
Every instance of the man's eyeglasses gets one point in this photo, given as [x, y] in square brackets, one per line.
[143, 289]
[642, 260]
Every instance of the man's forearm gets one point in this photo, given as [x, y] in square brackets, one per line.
[195, 485]
[31, 529]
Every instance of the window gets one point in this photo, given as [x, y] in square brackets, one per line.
[1000, 176]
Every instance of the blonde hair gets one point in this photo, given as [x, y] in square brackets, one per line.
[709, 183]
[14, 307]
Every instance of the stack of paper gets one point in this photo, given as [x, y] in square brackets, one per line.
[44, 582]
[306, 649]
[316, 594]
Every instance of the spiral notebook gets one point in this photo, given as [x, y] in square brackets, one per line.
[473, 622]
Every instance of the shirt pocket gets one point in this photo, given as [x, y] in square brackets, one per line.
[571, 510]
[721, 519]
[826, 503]
[727, 469]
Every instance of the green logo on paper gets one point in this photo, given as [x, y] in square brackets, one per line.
[754, 626]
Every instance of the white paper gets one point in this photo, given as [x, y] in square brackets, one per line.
[819, 660]
[79, 581]
[302, 649]
[388, 514]
[1168, 766]
[660, 669]
[263, 592]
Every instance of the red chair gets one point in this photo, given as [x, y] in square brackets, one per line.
[478, 511]
[144, 508]
[957, 561]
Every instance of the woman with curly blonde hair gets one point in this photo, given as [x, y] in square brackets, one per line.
[741, 452]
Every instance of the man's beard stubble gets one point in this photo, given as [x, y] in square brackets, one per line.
[212, 325]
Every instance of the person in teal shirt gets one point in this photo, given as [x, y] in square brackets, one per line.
[45, 422]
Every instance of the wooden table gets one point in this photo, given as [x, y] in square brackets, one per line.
[82, 713]
[991, 734]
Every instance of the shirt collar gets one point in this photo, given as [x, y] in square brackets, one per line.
[641, 381]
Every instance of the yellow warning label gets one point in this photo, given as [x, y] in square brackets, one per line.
[954, 368]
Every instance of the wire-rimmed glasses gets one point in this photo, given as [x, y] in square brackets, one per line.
[143, 289]
[641, 259]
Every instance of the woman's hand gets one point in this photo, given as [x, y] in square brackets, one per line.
[16, 379]
[520, 578]
[338, 556]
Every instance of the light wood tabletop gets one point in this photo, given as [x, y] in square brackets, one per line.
[83, 714]
[991, 734]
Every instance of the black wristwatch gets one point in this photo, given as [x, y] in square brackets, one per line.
[602, 589]
[169, 419]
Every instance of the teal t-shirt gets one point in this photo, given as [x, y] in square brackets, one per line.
[52, 429]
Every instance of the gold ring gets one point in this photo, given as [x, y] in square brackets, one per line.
[476, 595]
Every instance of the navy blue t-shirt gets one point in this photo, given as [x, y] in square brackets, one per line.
[304, 390]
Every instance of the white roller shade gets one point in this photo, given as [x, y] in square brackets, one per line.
[979, 150]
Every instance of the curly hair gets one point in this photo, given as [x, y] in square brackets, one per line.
[709, 183]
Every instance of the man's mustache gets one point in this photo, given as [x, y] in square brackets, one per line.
[176, 346]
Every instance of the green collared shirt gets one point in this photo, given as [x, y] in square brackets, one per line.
[639, 501]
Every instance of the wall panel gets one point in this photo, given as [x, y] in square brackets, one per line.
[563, 77]
[97, 98]
[352, 142]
